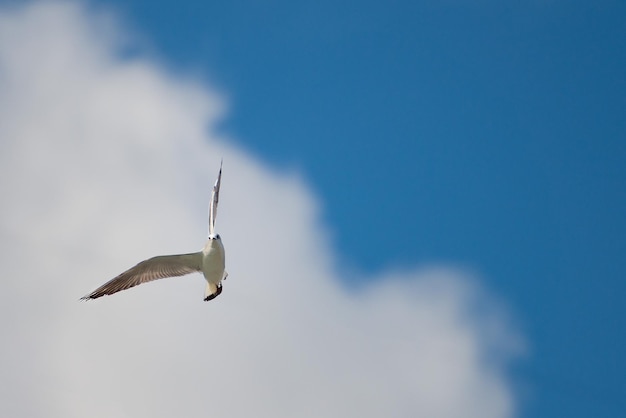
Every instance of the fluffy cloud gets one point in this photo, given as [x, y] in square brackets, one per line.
[105, 161]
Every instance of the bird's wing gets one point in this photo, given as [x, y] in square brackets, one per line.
[151, 269]
[215, 197]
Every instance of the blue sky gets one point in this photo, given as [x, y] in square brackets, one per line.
[487, 134]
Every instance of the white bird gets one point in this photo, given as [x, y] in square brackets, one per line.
[210, 261]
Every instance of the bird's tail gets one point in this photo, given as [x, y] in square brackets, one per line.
[212, 290]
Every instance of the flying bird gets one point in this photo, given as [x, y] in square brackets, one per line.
[210, 262]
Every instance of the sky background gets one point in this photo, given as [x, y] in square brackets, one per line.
[486, 136]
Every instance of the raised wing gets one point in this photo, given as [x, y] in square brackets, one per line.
[148, 270]
[215, 197]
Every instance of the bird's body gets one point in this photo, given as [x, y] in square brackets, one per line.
[213, 266]
[210, 262]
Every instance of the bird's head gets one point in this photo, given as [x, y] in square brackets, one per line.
[215, 237]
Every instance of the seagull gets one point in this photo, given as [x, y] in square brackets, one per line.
[210, 262]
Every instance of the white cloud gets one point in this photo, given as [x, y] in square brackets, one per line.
[104, 162]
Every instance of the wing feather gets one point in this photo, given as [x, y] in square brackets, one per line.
[215, 197]
[148, 270]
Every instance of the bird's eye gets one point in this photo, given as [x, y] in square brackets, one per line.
[217, 236]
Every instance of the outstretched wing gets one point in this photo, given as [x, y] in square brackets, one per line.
[215, 197]
[148, 270]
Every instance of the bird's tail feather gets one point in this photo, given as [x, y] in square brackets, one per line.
[211, 291]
